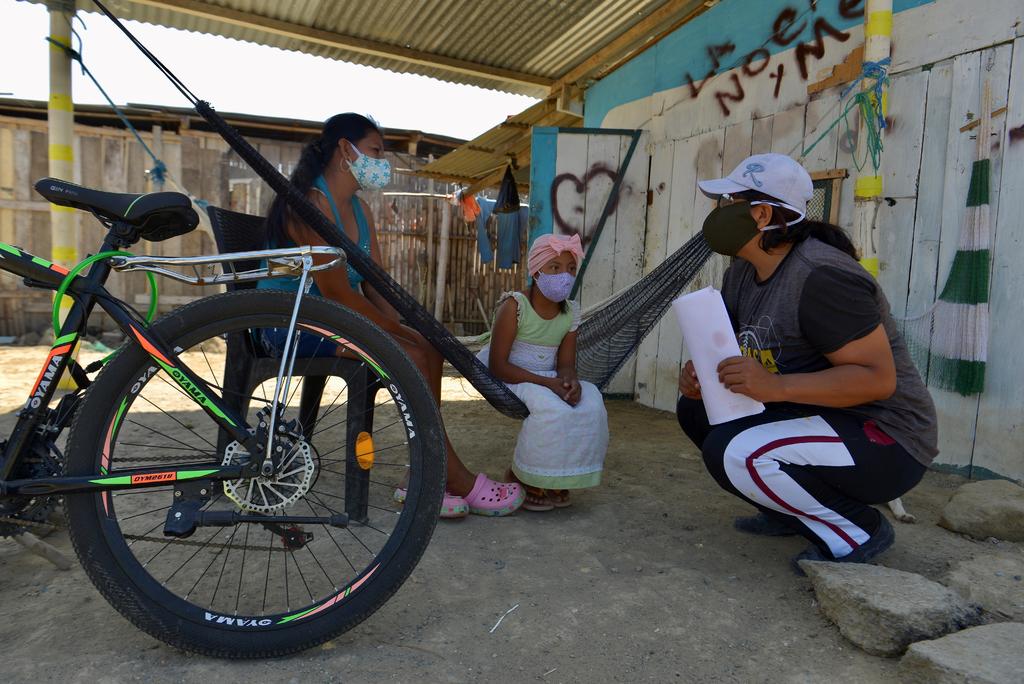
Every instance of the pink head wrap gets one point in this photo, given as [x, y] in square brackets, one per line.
[547, 247]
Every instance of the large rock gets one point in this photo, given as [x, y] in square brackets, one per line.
[994, 582]
[990, 654]
[991, 508]
[882, 610]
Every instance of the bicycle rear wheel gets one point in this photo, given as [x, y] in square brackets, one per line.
[256, 589]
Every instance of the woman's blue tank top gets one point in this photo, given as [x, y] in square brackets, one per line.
[354, 277]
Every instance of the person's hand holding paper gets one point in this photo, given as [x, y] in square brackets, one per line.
[711, 340]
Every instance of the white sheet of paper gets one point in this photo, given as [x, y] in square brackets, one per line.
[710, 338]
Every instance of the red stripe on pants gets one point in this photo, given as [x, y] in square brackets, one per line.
[756, 477]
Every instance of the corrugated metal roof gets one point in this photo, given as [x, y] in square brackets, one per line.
[520, 46]
[486, 156]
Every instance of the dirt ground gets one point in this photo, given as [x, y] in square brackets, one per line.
[643, 579]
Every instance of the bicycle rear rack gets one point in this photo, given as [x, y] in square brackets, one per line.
[279, 262]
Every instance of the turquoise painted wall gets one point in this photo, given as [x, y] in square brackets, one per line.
[747, 25]
[544, 149]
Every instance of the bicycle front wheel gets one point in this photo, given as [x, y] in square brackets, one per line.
[362, 423]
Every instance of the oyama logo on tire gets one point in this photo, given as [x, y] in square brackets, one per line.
[237, 621]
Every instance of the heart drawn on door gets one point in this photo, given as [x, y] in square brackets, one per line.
[569, 213]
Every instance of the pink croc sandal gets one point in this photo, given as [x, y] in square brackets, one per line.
[494, 498]
[452, 507]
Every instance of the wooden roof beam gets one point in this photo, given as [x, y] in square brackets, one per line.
[644, 34]
[522, 157]
[308, 34]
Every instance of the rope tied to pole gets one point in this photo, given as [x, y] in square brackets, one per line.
[159, 171]
[869, 102]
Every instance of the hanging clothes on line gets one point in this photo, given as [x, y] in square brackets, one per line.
[470, 207]
[483, 237]
[510, 230]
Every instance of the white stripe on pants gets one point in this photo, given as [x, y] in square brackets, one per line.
[752, 461]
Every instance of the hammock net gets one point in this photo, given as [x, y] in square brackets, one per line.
[949, 342]
[611, 332]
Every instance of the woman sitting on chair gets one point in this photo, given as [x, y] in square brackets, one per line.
[349, 155]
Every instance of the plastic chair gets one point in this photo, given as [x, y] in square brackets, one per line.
[247, 364]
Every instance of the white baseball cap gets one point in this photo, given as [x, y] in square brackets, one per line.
[775, 175]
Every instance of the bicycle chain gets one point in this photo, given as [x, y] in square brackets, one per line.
[136, 537]
[209, 545]
[156, 459]
[18, 522]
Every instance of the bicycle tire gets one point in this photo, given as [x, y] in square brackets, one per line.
[129, 586]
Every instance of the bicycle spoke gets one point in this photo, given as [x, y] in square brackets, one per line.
[375, 461]
[145, 398]
[202, 575]
[241, 569]
[168, 429]
[206, 358]
[347, 418]
[302, 577]
[154, 430]
[213, 599]
[155, 510]
[266, 583]
[329, 534]
[287, 595]
[189, 559]
[380, 484]
[331, 408]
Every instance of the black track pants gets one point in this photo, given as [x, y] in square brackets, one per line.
[816, 469]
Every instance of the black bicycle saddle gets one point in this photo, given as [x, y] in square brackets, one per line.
[158, 215]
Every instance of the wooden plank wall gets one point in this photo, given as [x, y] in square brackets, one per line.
[472, 287]
[927, 164]
[109, 158]
[586, 167]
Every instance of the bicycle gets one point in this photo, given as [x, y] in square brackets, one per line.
[220, 522]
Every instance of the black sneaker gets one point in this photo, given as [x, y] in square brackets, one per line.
[764, 526]
[878, 544]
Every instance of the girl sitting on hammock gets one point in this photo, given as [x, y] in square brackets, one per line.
[346, 157]
[562, 444]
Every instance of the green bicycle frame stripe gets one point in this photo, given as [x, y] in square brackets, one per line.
[120, 480]
[193, 391]
[26, 265]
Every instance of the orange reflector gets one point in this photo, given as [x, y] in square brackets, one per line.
[364, 450]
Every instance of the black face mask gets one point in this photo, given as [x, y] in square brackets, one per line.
[728, 228]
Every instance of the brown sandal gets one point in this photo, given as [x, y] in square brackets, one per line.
[559, 498]
[537, 499]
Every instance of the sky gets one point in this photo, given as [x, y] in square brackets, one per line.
[240, 77]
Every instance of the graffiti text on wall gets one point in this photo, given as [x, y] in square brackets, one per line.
[789, 24]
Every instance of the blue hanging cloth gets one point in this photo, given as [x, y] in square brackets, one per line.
[510, 227]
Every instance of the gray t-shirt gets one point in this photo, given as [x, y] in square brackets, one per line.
[818, 300]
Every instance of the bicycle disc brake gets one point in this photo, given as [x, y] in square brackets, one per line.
[267, 495]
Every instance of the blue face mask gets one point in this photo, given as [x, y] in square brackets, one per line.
[370, 173]
[555, 286]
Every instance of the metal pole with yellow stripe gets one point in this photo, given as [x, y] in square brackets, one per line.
[868, 187]
[60, 125]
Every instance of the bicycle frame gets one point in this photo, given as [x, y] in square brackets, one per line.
[88, 291]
